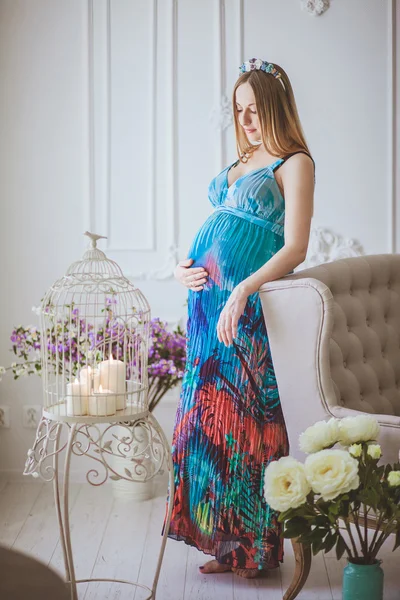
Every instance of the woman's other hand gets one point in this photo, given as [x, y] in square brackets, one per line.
[227, 326]
[191, 277]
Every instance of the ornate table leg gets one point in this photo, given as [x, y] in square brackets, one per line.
[56, 487]
[67, 529]
[302, 556]
[170, 501]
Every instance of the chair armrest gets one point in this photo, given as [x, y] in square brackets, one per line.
[385, 420]
[299, 320]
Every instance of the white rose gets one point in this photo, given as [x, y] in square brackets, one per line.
[285, 484]
[319, 436]
[374, 451]
[362, 428]
[332, 472]
[394, 478]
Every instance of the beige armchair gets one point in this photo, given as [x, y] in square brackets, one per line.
[334, 333]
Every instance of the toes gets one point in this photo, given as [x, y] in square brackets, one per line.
[213, 566]
[247, 573]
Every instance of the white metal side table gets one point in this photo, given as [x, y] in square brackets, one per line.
[101, 441]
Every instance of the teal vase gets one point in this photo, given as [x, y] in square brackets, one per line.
[363, 582]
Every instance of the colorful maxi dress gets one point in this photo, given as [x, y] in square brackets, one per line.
[229, 423]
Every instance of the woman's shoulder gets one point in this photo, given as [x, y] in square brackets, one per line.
[302, 155]
[301, 160]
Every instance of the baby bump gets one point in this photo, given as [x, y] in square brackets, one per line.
[231, 248]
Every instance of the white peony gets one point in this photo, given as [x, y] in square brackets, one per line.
[332, 472]
[319, 436]
[362, 428]
[285, 484]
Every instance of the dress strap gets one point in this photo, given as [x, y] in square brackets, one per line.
[284, 158]
[297, 152]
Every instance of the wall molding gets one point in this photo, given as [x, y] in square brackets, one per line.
[166, 270]
[315, 7]
[99, 117]
[392, 126]
[221, 115]
[220, 111]
[152, 157]
[90, 120]
[325, 246]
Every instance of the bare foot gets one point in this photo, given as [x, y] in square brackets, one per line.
[247, 573]
[213, 566]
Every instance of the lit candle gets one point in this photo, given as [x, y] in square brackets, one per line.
[90, 376]
[77, 401]
[112, 377]
[102, 403]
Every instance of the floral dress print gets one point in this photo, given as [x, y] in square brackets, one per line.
[229, 423]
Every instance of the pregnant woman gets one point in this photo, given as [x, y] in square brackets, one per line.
[229, 423]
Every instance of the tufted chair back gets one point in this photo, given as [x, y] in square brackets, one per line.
[334, 333]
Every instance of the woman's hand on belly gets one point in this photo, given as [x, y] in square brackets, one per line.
[191, 277]
[230, 315]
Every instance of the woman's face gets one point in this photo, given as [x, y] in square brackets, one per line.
[247, 112]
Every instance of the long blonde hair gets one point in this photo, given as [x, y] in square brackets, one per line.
[281, 130]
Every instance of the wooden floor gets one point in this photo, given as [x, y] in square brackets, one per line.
[112, 538]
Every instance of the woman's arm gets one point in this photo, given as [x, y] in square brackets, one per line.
[298, 182]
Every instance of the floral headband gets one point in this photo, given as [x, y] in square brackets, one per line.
[258, 64]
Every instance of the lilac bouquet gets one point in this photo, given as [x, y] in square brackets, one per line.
[166, 358]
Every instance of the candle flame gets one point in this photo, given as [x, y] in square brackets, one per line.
[76, 380]
[100, 388]
[111, 358]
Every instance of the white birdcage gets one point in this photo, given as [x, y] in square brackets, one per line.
[95, 336]
[94, 351]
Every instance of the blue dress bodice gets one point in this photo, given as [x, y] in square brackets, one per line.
[254, 196]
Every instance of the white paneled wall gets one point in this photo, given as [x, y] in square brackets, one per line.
[116, 114]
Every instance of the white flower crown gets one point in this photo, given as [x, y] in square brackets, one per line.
[258, 64]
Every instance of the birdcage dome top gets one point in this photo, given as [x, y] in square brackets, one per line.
[94, 262]
[94, 272]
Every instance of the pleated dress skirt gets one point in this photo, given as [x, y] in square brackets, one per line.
[229, 423]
